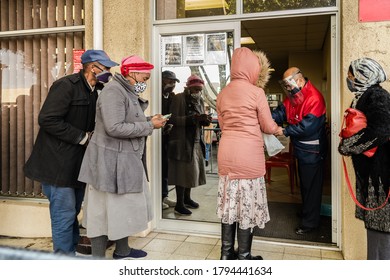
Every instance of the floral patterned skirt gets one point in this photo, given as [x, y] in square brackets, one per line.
[243, 201]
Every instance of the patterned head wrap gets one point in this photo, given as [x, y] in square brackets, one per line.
[367, 72]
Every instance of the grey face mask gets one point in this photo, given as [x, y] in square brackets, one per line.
[351, 85]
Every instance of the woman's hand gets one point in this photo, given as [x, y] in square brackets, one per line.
[158, 121]
[279, 132]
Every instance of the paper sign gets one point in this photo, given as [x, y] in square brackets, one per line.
[77, 66]
[374, 10]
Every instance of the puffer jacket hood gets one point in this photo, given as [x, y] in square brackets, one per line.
[252, 66]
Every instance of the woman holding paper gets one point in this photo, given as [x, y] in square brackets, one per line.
[243, 114]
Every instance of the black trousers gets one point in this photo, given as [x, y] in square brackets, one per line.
[164, 167]
[311, 178]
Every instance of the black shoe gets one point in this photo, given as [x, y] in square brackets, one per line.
[207, 163]
[182, 211]
[191, 204]
[302, 230]
[255, 258]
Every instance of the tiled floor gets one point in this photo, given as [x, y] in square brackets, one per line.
[164, 246]
[172, 246]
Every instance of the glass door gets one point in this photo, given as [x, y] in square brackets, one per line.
[202, 49]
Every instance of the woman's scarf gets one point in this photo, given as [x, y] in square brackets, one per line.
[367, 72]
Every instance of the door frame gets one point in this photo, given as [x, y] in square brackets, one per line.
[158, 223]
[209, 228]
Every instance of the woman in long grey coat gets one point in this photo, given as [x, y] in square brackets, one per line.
[117, 202]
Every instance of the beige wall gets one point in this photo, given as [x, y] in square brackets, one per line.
[25, 218]
[126, 28]
[370, 39]
[304, 61]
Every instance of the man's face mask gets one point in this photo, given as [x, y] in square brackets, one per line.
[104, 77]
[169, 87]
[290, 86]
[292, 89]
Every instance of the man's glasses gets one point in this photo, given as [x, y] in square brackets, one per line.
[94, 65]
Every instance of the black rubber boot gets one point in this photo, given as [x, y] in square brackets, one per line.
[244, 239]
[188, 202]
[228, 235]
[180, 207]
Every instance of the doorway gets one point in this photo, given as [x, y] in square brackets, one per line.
[304, 41]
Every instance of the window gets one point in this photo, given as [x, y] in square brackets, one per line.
[255, 6]
[174, 9]
[37, 39]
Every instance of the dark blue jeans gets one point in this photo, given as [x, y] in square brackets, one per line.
[65, 205]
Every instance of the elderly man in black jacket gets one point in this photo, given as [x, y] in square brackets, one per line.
[67, 121]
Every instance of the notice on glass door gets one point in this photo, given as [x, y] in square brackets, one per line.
[193, 49]
[172, 50]
[216, 48]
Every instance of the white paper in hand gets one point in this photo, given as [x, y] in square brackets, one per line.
[272, 144]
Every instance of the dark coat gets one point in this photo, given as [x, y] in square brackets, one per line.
[372, 174]
[185, 128]
[66, 115]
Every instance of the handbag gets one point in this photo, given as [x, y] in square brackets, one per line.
[354, 121]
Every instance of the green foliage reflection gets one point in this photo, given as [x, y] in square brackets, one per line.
[254, 6]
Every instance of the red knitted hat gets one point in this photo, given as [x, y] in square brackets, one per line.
[194, 81]
[134, 63]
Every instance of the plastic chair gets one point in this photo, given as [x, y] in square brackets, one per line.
[285, 160]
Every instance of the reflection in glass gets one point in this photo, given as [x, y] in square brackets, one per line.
[255, 6]
[214, 70]
[174, 9]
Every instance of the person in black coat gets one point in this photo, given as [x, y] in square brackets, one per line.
[186, 147]
[167, 86]
[67, 121]
[371, 172]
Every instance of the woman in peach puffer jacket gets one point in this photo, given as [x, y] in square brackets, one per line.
[243, 114]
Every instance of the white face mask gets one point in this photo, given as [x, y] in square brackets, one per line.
[140, 87]
[195, 96]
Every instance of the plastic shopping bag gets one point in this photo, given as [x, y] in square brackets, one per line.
[272, 144]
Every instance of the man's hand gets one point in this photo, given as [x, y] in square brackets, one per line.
[87, 137]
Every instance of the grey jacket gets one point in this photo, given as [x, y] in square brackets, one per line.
[115, 157]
